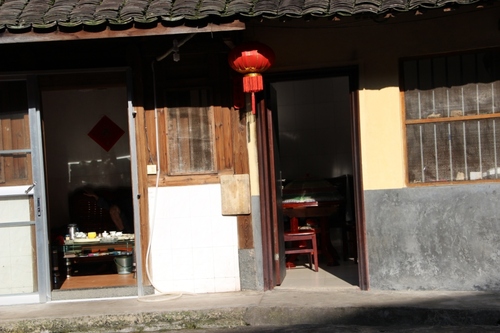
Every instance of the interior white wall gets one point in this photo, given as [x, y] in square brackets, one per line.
[314, 127]
[194, 248]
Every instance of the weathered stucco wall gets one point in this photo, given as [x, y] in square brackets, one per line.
[376, 47]
[442, 238]
[418, 238]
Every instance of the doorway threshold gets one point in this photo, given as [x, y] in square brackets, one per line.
[104, 292]
[302, 277]
[98, 286]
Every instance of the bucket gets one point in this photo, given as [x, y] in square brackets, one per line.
[124, 264]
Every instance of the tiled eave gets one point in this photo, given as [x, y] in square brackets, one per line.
[65, 15]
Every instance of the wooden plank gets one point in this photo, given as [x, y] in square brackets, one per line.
[451, 119]
[141, 147]
[219, 137]
[240, 165]
[182, 145]
[7, 145]
[10, 38]
[99, 281]
[184, 180]
[228, 142]
[29, 162]
[245, 232]
[18, 135]
[235, 194]
[239, 139]
[2, 158]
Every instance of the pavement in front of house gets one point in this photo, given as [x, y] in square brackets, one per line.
[259, 310]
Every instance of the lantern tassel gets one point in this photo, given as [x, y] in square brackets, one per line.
[253, 82]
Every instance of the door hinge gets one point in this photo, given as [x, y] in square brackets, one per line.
[30, 188]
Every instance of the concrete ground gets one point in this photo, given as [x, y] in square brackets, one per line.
[261, 311]
[348, 329]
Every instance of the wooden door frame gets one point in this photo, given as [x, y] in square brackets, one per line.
[267, 196]
[268, 200]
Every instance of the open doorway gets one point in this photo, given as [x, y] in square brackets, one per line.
[314, 126]
[88, 184]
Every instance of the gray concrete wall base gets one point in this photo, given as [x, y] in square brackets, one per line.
[250, 260]
[434, 238]
[248, 269]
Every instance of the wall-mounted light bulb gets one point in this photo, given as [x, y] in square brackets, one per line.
[177, 57]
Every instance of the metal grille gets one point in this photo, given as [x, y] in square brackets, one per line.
[452, 107]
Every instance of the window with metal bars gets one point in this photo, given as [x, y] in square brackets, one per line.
[452, 117]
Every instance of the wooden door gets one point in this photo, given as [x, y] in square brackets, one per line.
[24, 274]
[270, 189]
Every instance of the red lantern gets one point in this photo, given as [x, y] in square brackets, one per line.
[251, 59]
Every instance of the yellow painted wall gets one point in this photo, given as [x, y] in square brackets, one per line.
[381, 137]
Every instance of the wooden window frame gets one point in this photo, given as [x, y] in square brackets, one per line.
[173, 168]
[168, 178]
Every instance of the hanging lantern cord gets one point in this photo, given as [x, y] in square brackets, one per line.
[253, 103]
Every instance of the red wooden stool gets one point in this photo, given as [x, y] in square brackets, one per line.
[307, 241]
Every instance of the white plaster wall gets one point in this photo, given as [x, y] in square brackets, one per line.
[16, 257]
[194, 248]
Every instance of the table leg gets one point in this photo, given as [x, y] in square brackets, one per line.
[68, 267]
[326, 245]
[294, 227]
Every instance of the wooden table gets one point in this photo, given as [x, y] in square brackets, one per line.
[320, 210]
[94, 251]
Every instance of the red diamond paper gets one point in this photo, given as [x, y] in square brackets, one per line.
[106, 133]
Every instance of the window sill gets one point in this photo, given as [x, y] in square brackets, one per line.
[183, 180]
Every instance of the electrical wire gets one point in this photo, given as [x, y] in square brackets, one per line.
[162, 295]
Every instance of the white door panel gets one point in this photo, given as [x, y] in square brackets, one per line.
[20, 202]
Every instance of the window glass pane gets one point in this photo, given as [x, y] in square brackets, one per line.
[454, 101]
[190, 130]
[428, 152]
[472, 147]
[426, 104]
[441, 103]
[412, 104]
[414, 160]
[190, 140]
[457, 139]
[453, 151]
[444, 88]
[489, 145]
[469, 99]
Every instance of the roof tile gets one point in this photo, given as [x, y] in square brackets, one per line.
[22, 14]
